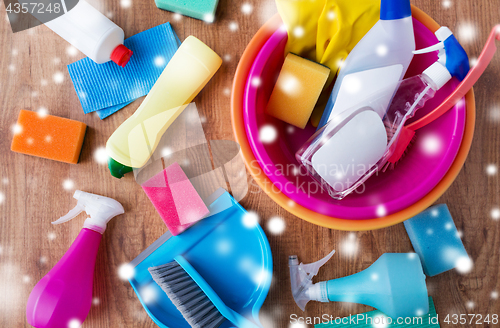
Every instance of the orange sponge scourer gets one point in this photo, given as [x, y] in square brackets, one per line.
[48, 136]
[297, 90]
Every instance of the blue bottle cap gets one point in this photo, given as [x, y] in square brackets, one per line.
[394, 9]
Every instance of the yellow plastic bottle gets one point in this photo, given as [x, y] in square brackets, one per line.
[189, 70]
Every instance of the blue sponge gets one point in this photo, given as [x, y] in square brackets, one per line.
[436, 240]
[107, 87]
[200, 9]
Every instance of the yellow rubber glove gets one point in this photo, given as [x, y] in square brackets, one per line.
[326, 31]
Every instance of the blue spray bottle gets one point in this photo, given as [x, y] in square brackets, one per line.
[394, 284]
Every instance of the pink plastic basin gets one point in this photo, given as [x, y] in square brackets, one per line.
[425, 164]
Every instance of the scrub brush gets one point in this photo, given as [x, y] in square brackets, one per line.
[407, 134]
[193, 297]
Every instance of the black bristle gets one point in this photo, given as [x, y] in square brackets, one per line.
[187, 296]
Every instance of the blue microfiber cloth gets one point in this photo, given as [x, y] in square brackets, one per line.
[106, 88]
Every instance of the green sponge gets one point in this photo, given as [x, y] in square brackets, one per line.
[200, 9]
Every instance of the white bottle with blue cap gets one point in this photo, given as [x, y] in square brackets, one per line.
[359, 142]
[379, 60]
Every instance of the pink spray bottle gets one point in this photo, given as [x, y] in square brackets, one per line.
[62, 299]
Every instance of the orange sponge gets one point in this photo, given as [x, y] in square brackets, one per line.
[297, 90]
[48, 136]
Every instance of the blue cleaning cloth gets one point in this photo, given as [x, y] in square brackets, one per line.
[435, 239]
[107, 87]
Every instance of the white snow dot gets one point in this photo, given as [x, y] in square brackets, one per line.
[446, 3]
[71, 51]
[48, 138]
[34, 94]
[177, 17]
[2, 197]
[12, 68]
[434, 213]
[381, 211]
[430, 231]
[209, 18]
[495, 114]
[289, 84]
[96, 301]
[330, 15]
[160, 61]
[470, 304]
[227, 92]
[460, 234]
[5, 181]
[412, 256]
[233, 26]
[350, 247]
[44, 82]
[247, 8]
[494, 295]
[43, 260]
[382, 50]
[495, 213]
[374, 276]
[1, 250]
[463, 264]
[256, 82]
[491, 169]
[42, 112]
[68, 184]
[74, 323]
[290, 129]
[166, 152]
[419, 312]
[30, 141]
[473, 62]
[14, 52]
[109, 14]
[297, 325]
[101, 156]
[58, 77]
[268, 134]
[227, 57]
[57, 60]
[51, 236]
[432, 144]
[250, 219]
[276, 225]
[380, 321]
[466, 32]
[291, 203]
[298, 31]
[448, 226]
[126, 271]
[125, 3]
[148, 294]
[26, 279]
[16, 128]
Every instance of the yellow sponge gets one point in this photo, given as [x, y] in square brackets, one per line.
[297, 90]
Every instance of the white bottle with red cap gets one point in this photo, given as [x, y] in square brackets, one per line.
[92, 33]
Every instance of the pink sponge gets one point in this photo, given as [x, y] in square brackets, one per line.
[175, 199]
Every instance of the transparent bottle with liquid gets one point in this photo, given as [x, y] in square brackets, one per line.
[358, 142]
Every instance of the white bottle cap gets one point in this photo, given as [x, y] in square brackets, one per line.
[438, 75]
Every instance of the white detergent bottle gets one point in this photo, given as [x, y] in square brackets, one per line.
[88, 30]
[379, 60]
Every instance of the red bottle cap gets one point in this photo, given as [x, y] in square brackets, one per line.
[121, 55]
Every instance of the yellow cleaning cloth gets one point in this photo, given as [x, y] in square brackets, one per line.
[326, 31]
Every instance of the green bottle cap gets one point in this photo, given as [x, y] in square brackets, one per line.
[117, 169]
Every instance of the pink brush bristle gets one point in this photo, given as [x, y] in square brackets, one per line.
[405, 140]
[175, 199]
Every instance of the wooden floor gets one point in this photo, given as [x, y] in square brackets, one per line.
[33, 193]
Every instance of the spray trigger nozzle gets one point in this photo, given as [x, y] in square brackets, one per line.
[100, 209]
[73, 213]
[301, 276]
